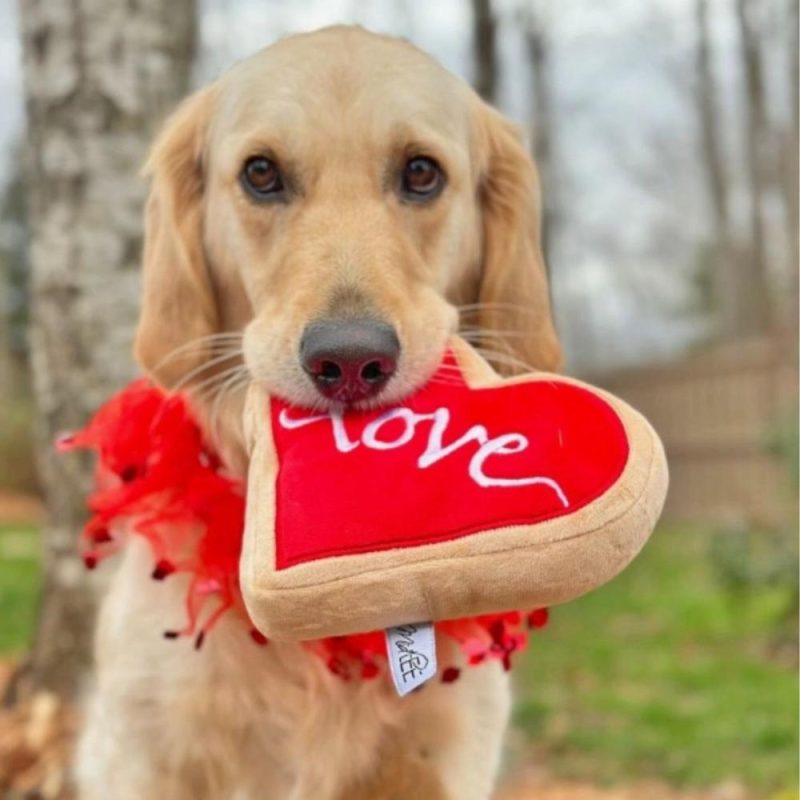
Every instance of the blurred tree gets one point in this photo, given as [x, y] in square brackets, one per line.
[755, 315]
[726, 294]
[13, 279]
[537, 35]
[17, 467]
[98, 75]
[744, 253]
[790, 166]
[484, 27]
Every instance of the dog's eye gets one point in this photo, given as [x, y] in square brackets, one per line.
[422, 178]
[261, 177]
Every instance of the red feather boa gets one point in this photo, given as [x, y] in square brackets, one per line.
[156, 478]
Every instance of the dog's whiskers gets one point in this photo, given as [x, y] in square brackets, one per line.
[475, 308]
[206, 365]
[202, 388]
[483, 332]
[212, 341]
[506, 359]
[234, 383]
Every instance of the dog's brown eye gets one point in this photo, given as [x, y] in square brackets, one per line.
[422, 178]
[261, 177]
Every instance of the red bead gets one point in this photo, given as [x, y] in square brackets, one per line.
[162, 569]
[450, 674]
[369, 670]
[101, 536]
[258, 637]
[538, 618]
[64, 442]
[338, 668]
[497, 630]
[129, 473]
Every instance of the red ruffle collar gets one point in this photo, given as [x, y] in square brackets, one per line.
[156, 478]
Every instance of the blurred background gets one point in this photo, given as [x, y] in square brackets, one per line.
[666, 133]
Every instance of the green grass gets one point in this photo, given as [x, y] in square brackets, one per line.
[670, 672]
[19, 586]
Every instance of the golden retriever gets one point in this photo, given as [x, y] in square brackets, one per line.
[321, 218]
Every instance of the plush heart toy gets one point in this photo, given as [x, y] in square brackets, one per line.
[475, 495]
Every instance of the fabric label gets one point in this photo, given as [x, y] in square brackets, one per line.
[412, 655]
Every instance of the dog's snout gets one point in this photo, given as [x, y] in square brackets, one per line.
[349, 359]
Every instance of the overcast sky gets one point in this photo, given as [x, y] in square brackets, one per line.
[624, 139]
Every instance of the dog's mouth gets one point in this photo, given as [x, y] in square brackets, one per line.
[327, 388]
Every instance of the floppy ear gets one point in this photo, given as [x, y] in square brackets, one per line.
[178, 304]
[513, 293]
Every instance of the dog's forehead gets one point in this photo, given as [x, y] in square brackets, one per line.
[342, 79]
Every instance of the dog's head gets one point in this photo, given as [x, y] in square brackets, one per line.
[339, 198]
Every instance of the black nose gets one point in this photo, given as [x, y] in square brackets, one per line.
[349, 359]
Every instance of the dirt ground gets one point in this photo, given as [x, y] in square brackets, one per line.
[19, 508]
[527, 787]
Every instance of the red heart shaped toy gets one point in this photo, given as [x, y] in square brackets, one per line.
[475, 495]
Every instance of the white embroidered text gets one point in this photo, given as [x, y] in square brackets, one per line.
[374, 437]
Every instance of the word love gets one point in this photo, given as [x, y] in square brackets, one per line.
[399, 426]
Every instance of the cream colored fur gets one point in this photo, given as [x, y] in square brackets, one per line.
[341, 108]
[239, 721]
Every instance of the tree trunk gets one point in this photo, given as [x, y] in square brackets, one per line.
[729, 295]
[537, 42]
[13, 281]
[6, 359]
[791, 167]
[485, 44]
[756, 316]
[99, 74]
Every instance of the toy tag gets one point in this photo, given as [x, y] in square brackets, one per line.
[412, 655]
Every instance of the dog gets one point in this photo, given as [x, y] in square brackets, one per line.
[320, 220]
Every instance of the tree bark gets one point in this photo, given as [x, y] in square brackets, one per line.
[485, 45]
[791, 168]
[98, 74]
[537, 43]
[756, 314]
[727, 290]
[13, 282]
[6, 360]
